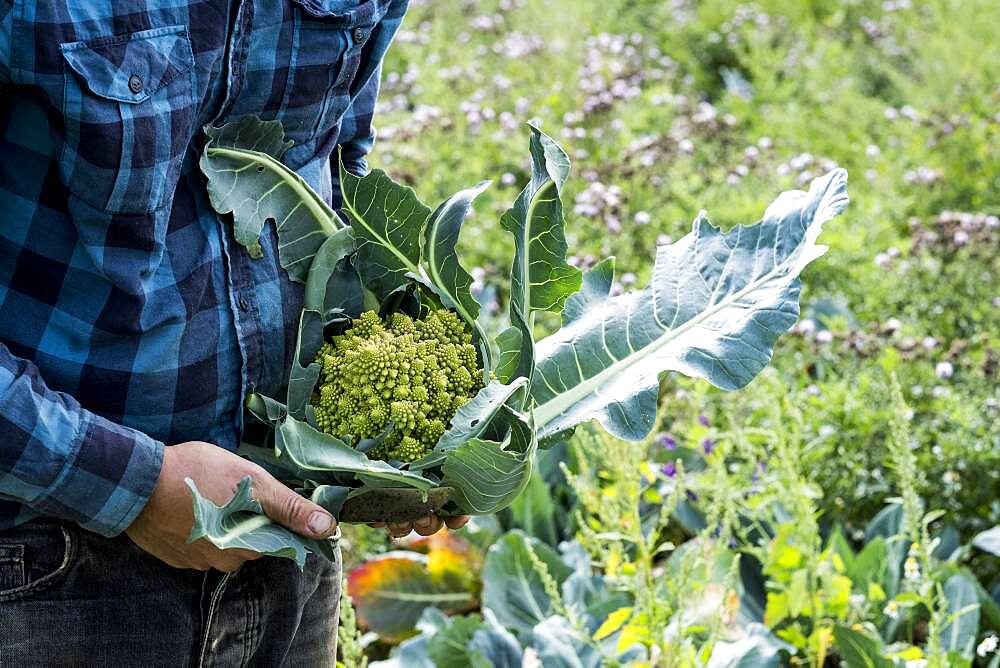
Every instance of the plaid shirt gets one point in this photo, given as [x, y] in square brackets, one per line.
[129, 318]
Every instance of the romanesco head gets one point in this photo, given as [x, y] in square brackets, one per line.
[412, 373]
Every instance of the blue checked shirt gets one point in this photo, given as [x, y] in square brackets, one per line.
[129, 318]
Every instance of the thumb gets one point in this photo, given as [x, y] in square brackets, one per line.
[295, 512]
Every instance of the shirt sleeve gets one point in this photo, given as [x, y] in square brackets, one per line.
[62, 460]
[6, 25]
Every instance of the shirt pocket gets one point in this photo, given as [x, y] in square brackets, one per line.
[129, 112]
[331, 37]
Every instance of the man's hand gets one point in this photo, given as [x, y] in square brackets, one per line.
[162, 528]
[425, 526]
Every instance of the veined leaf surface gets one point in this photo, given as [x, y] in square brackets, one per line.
[246, 178]
[540, 280]
[487, 475]
[241, 523]
[441, 258]
[388, 222]
[715, 307]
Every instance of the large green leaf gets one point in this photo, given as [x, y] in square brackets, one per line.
[758, 648]
[559, 645]
[512, 588]
[313, 450]
[440, 257]
[488, 476]
[305, 371]
[958, 634]
[388, 222]
[988, 541]
[540, 280]
[540, 277]
[246, 178]
[477, 414]
[858, 649]
[716, 305]
[392, 590]
[596, 288]
[241, 523]
[331, 282]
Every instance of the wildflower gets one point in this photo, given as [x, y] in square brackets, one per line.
[668, 441]
[872, 151]
[891, 610]
[825, 336]
[988, 645]
[642, 218]
[508, 179]
[911, 569]
[669, 469]
[807, 326]
[708, 445]
[944, 370]
[703, 420]
[916, 663]
[929, 343]
[893, 324]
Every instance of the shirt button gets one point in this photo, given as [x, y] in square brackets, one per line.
[360, 34]
[135, 83]
[244, 304]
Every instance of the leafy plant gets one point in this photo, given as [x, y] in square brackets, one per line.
[714, 308]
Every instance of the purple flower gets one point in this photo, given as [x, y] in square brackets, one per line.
[669, 469]
[708, 445]
[703, 420]
[691, 495]
[667, 441]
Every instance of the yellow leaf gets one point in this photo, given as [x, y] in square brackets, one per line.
[909, 654]
[631, 635]
[875, 592]
[788, 557]
[777, 608]
[614, 622]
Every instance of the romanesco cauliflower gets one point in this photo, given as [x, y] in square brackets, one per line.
[413, 373]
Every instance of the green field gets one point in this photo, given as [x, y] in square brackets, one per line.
[828, 513]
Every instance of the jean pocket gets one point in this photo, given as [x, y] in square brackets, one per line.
[33, 557]
[129, 112]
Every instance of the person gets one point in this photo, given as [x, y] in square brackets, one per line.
[132, 325]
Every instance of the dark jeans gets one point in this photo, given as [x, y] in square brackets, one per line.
[69, 597]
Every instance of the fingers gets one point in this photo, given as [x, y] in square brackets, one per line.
[399, 529]
[425, 526]
[428, 526]
[295, 512]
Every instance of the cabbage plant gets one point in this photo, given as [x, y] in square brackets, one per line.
[714, 308]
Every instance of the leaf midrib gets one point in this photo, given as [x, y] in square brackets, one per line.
[323, 214]
[382, 241]
[553, 408]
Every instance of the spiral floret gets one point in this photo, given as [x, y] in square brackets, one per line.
[412, 373]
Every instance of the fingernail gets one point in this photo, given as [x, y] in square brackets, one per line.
[319, 523]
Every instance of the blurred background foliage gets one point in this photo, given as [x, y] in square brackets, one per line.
[840, 510]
